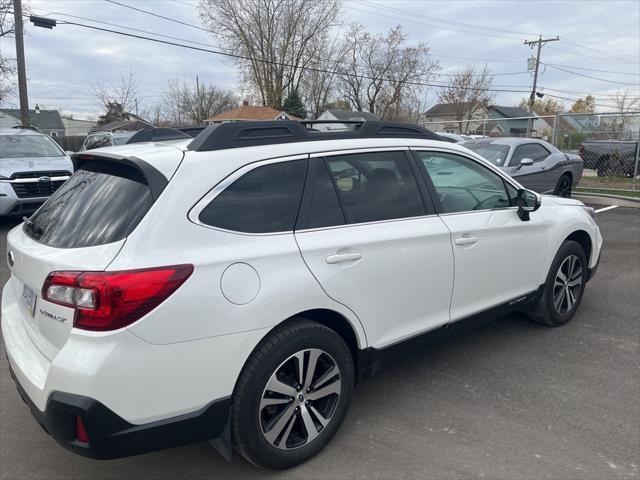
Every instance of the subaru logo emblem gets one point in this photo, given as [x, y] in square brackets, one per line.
[44, 179]
[10, 258]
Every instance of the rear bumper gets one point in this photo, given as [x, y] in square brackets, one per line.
[110, 436]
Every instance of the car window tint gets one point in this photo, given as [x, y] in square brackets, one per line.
[375, 186]
[324, 209]
[534, 151]
[101, 203]
[264, 200]
[462, 184]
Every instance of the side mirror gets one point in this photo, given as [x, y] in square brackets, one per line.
[527, 202]
[525, 162]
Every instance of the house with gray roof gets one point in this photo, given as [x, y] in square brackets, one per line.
[342, 116]
[48, 121]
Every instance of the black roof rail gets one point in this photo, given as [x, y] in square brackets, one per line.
[157, 134]
[250, 134]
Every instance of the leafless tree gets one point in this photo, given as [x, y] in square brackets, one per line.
[627, 102]
[191, 104]
[7, 65]
[382, 73]
[468, 88]
[275, 38]
[123, 92]
[319, 79]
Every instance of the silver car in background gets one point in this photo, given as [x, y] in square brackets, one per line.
[535, 164]
[32, 167]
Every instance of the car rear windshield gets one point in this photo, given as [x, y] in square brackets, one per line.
[495, 153]
[16, 146]
[101, 203]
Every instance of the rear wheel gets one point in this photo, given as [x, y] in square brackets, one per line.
[292, 395]
[564, 286]
[563, 187]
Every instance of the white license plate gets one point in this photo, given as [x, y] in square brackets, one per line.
[29, 299]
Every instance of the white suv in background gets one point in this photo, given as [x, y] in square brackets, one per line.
[237, 285]
[32, 167]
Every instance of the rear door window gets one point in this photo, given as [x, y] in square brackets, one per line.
[101, 203]
[264, 200]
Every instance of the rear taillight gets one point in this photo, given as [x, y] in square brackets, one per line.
[112, 300]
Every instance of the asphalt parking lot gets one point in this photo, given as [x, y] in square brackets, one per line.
[509, 400]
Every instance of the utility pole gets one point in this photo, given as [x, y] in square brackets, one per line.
[198, 104]
[540, 42]
[22, 70]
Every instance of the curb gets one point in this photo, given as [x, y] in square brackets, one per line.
[605, 199]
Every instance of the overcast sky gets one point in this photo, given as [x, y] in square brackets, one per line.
[598, 39]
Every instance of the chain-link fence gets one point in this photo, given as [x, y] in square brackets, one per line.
[608, 143]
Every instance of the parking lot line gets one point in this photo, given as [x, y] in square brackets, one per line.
[606, 208]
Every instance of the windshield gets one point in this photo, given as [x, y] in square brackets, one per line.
[495, 153]
[121, 140]
[15, 146]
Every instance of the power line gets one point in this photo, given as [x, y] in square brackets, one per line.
[593, 78]
[590, 69]
[243, 57]
[159, 16]
[436, 19]
[434, 25]
[217, 47]
[602, 52]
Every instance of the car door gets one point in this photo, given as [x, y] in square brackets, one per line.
[498, 257]
[374, 245]
[535, 176]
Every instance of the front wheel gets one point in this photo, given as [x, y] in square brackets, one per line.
[292, 395]
[564, 286]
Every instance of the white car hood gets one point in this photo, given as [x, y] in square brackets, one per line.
[9, 166]
[561, 200]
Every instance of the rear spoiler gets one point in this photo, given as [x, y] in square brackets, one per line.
[162, 134]
[152, 176]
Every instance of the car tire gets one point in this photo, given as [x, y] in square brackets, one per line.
[563, 187]
[277, 406]
[564, 286]
[602, 169]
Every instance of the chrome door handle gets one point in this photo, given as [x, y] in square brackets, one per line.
[466, 240]
[343, 257]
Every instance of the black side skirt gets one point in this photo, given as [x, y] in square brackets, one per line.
[372, 360]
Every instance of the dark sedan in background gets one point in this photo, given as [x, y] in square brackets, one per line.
[535, 164]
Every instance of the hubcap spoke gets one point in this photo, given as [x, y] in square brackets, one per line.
[328, 375]
[277, 428]
[275, 385]
[267, 402]
[318, 415]
[575, 282]
[333, 387]
[311, 367]
[310, 427]
[559, 298]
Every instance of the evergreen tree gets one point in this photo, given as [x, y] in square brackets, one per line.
[114, 112]
[293, 105]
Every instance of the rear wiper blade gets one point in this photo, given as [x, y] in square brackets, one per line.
[32, 226]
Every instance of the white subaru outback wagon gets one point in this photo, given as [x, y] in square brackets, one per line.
[237, 285]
